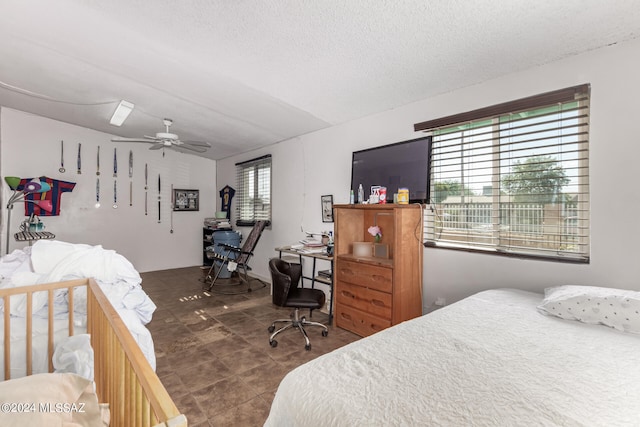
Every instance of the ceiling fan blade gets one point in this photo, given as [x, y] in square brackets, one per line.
[189, 148]
[130, 140]
[198, 143]
[156, 146]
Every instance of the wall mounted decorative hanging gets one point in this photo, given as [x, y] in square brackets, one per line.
[327, 208]
[186, 200]
[22, 189]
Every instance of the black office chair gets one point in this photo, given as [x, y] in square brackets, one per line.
[286, 293]
[234, 258]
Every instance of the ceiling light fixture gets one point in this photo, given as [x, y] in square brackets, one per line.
[122, 112]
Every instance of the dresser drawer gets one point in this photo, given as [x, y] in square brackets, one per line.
[364, 299]
[359, 322]
[371, 276]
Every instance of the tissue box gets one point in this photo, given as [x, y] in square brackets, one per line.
[362, 249]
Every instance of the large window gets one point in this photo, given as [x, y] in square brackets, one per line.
[254, 191]
[513, 178]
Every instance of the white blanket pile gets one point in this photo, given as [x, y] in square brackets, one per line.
[53, 261]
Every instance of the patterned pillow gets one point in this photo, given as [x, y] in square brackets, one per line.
[616, 308]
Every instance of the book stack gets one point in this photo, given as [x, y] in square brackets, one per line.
[312, 246]
[326, 274]
[217, 224]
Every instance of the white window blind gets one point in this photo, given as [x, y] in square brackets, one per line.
[514, 182]
[254, 191]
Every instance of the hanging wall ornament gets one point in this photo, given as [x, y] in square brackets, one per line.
[98, 162]
[115, 163]
[173, 204]
[79, 158]
[115, 179]
[146, 187]
[130, 178]
[97, 193]
[115, 194]
[159, 199]
[62, 169]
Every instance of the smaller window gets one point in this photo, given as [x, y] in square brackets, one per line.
[254, 191]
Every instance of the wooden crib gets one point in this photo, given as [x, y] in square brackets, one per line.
[123, 377]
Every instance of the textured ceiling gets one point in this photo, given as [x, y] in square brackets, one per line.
[243, 74]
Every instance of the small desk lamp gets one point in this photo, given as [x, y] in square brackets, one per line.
[33, 186]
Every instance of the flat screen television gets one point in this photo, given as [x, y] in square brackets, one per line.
[403, 164]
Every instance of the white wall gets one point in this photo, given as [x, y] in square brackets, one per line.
[319, 163]
[30, 147]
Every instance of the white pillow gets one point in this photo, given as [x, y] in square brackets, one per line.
[616, 308]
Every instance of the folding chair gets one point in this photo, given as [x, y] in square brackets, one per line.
[234, 259]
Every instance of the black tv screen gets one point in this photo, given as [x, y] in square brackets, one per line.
[403, 164]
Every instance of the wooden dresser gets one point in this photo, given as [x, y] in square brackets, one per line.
[373, 293]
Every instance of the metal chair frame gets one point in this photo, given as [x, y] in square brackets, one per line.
[290, 279]
[241, 260]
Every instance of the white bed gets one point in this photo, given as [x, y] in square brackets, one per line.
[50, 261]
[491, 359]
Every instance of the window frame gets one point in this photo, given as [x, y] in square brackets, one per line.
[579, 94]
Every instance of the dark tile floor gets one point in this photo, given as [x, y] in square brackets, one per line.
[213, 353]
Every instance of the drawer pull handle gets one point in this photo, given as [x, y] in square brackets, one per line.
[348, 294]
[377, 302]
[346, 316]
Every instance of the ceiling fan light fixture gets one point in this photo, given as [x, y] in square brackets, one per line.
[170, 140]
[123, 110]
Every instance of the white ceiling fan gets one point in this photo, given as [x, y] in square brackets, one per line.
[167, 139]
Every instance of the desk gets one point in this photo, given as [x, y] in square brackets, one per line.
[314, 278]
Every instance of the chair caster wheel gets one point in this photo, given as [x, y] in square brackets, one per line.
[307, 347]
[271, 328]
[273, 343]
[325, 333]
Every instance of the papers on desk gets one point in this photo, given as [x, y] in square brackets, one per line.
[311, 242]
[310, 246]
[313, 250]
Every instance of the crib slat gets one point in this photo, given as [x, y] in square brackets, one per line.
[70, 292]
[51, 329]
[29, 337]
[7, 337]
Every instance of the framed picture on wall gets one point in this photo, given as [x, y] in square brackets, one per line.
[186, 200]
[327, 208]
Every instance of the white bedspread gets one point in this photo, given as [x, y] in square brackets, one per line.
[489, 360]
[53, 261]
